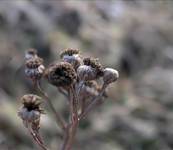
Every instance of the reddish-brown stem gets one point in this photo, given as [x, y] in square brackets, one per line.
[58, 117]
[83, 105]
[72, 127]
[37, 139]
[63, 92]
[74, 103]
[71, 136]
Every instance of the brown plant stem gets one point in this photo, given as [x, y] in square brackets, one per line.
[72, 127]
[70, 136]
[59, 120]
[63, 92]
[74, 102]
[37, 139]
[93, 103]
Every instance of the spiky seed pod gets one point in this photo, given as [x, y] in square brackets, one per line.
[30, 53]
[34, 68]
[95, 64]
[31, 110]
[110, 75]
[71, 56]
[61, 74]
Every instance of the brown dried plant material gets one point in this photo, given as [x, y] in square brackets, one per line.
[79, 81]
[72, 56]
[95, 64]
[31, 110]
[69, 52]
[61, 74]
[34, 67]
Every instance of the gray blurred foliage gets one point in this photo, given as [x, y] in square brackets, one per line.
[134, 37]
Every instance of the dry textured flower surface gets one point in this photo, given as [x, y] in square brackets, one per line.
[82, 80]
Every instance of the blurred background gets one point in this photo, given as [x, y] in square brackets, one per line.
[134, 37]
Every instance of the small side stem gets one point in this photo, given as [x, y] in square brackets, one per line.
[37, 139]
[58, 117]
[93, 103]
[63, 92]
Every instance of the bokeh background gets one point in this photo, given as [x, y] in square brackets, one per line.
[135, 37]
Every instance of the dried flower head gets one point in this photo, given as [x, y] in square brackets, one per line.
[61, 74]
[69, 52]
[34, 68]
[95, 64]
[30, 53]
[110, 75]
[71, 56]
[31, 110]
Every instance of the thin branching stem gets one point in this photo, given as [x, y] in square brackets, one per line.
[93, 103]
[63, 92]
[37, 139]
[58, 117]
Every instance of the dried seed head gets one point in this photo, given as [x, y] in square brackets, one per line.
[34, 63]
[31, 102]
[71, 56]
[86, 73]
[69, 52]
[110, 75]
[31, 110]
[95, 64]
[31, 53]
[34, 68]
[61, 74]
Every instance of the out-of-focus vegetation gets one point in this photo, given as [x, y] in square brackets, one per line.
[134, 37]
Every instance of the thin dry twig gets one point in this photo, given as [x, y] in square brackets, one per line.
[59, 119]
[93, 103]
[63, 92]
[37, 139]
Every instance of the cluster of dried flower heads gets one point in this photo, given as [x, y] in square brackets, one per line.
[83, 81]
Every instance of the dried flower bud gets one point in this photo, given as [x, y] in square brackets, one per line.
[31, 53]
[31, 111]
[34, 68]
[71, 56]
[86, 73]
[110, 75]
[95, 64]
[61, 74]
